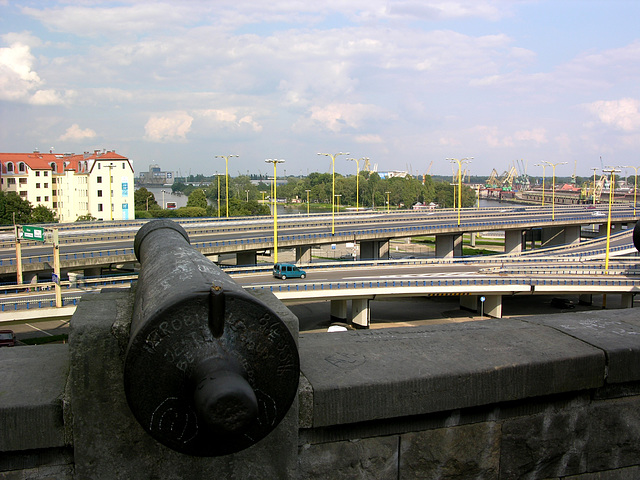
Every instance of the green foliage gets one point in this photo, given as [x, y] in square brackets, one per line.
[14, 209]
[89, 218]
[140, 198]
[188, 212]
[197, 199]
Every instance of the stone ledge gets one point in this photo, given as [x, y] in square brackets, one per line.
[31, 397]
[359, 376]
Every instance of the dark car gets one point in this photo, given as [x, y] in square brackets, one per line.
[7, 338]
[562, 303]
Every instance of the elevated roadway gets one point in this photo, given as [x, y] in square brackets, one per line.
[94, 246]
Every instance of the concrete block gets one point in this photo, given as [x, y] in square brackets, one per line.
[616, 332]
[375, 458]
[374, 374]
[469, 451]
[31, 397]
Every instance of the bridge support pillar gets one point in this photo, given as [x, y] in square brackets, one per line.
[513, 241]
[360, 312]
[30, 277]
[246, 258]
[339, 311]
[626, 300]
[303, 254]
[552, 236]
[374, 250]
[493, 306]
[572, 234]
[469, 302]
[449, 246]
[472, 239]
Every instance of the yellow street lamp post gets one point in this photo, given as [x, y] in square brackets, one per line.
[543, 167]
[338, 203]
[333, 191]
[595, 169]
[460, 163]
[388, 203]
[612, 185]
[635, 186]
[226, 176]
[275, 209]
[307, 201]
[553, 187]
[357, 178]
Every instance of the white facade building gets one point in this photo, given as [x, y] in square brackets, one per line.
[99, 184]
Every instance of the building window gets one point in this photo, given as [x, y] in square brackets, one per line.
[55, 205]
[46, 185]
[53, 180]
[99, 207]
[11, 181]
[46, 199]
[9, 167]
[37, 185]
[54, 193]
[99, 193]
[22, 167]
[46, 173]
[23, 193]
[22, 181]
[99, 179]
[37, 173]
[37, 199]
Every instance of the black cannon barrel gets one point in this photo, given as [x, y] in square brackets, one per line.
[209, 369]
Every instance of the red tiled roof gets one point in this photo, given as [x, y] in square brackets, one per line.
[42, 161]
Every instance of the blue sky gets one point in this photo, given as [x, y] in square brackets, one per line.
[404, 83]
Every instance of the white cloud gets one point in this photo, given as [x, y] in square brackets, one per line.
[537, 135]
[74, 133]
[19, 82]
[170, 127]
[371, 138]
[622, 114]
[338, 116]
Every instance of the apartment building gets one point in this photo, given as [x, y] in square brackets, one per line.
[98, 183]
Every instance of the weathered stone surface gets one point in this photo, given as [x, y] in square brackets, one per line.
[469, 451]
[549, 444]
[372, 458]
[31, 396]
[630, 473]
[108, 441]
[616, 332]
[374, 374]
[614, 434]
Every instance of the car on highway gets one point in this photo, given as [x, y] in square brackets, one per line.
[7, 338]
[287, 270]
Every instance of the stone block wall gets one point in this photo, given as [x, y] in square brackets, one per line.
[543, 398]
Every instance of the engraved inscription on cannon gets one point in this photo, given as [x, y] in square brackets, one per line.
[209, 369]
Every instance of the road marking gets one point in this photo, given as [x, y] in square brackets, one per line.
[420, 275]
[40, 330]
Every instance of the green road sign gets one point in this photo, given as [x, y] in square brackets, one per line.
[32, 233]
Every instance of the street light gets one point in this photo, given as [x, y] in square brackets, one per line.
[460, 162]
[338, 203]
[357, 178]
[148, 197]
[553, 187]
[226, 175]
[333, 191]
[307, 201]
[612, 184]
[595, 169]
[247, 192]
[218, 175]
[388, 203]
[275, 209]
[543, 167]
[635, 186]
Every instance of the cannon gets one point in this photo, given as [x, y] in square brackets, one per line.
[209, 369]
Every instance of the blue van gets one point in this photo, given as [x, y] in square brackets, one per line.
[287, 270]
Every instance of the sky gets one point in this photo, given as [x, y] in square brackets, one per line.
[408, 84]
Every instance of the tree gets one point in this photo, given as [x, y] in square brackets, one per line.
[197, 199]
[14, 209]
[87, 218]
[41, 214]
[140, 198]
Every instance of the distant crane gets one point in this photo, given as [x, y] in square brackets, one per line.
[428, 170]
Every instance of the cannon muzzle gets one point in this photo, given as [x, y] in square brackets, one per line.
[209, 369]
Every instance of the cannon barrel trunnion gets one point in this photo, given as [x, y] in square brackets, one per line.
[209, 369]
